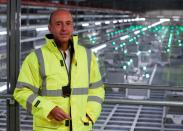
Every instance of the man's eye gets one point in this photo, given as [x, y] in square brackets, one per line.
[69, 23]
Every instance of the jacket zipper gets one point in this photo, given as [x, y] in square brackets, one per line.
[69, 80]
[66, 67]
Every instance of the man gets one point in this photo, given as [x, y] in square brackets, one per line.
[60, 83]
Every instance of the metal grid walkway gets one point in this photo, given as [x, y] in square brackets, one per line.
[115, 117]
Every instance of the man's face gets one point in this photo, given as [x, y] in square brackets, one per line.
[61, 26]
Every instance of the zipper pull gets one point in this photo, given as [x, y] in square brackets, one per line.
[61, 63]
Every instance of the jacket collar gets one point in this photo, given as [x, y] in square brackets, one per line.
[50, 43]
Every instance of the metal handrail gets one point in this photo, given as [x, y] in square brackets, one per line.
[143, 102]
[127, 101]
[154, 87]
[131, 101]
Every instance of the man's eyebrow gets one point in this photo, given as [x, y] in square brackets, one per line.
[69, 21]
[60, 21]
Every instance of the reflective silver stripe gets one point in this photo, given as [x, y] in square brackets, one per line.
[96, 84]
[88, 52]
[23, 84]
[30, 100]
[79, 91]
[52, 92]
[42, 67]
[95, 98]
[75, 91]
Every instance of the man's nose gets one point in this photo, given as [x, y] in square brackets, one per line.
[63, 27]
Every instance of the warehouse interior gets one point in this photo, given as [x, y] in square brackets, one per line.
[139, 49]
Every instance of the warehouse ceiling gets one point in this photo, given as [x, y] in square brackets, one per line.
[132, 5]
[136, 5]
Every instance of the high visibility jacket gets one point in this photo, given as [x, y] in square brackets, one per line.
[40, 87]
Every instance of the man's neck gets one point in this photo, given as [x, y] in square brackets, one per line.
[64, 46]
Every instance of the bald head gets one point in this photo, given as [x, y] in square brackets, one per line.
[61, 26]
[62, 11]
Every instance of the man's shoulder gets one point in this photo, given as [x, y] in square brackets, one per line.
[32, 54]
[83, 47]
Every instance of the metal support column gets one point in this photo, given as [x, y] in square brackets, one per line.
[13, 53]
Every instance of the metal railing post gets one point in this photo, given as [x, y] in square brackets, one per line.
[13, 53]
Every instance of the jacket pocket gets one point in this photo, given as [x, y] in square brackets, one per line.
[52, 124]
[87, 124]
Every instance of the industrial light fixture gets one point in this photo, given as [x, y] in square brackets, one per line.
[85, 24]
[164, 19]
[3, 32]
[142, 19]
[129, 20]
[144, 29]
[115, 21]
[42, 29]
[125, 20]
[3, 88]
[124, 37]
[97, 23]
[107, 22]
[96, 49]
[120, 21]
[139, 19]
[137, 32]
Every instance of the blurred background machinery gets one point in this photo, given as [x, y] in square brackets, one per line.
[139, 48]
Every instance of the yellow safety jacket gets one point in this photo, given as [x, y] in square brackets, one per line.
[40, 87]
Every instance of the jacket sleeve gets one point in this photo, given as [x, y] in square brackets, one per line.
[27, 88]
[96, 91]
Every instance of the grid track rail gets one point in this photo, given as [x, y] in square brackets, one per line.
[114, 117]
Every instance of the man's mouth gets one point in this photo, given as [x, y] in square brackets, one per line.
[64, 35]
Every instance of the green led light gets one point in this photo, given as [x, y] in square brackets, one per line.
[144, 68]
[93, 42]
[124, 67]
[131, 60]
[170, 40]
[138, 53]
[94, 38]
[128, 63]
[130, 40]
[147, 75]
[113, 43]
